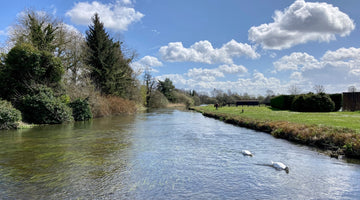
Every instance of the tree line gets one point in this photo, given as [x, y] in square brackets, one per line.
[51, 73]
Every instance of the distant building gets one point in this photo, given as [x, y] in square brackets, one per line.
[351, 101]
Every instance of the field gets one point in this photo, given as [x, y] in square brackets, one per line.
[338, 132]
[349, 120]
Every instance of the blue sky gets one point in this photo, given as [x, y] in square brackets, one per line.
[243, 46]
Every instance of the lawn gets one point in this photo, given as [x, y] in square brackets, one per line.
[334, 119]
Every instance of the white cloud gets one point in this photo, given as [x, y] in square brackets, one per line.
[344, 58]
[297, 61]
[2, 32]
[146, 63]
[204, 52]
[256, 84]
[117, 16]
[300, 23]
[232, 69]
[204, 74]
[335, 70]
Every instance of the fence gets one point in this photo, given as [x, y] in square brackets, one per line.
[351, 101]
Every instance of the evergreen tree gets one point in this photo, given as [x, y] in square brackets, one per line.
[109, 69]
[26, 66]
[167, 88]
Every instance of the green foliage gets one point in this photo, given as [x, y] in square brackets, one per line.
[81, 109]
[41, 33]
[41, 107]
[157, 100]
[167, 88]
[9, 116]
[26, 66]
[313, 103]
[183, 98]
[282, 102]
[109, 69]
[338, 100]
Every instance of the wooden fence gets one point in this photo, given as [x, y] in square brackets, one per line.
[351, 101]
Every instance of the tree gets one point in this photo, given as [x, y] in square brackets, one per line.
[167, 88]
[352, 89]
[150, 85]
[26, 66]
[294, 89]
[36, 28]
[109, 69]
[319, 89]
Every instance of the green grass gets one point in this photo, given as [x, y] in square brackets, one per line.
[349, 120]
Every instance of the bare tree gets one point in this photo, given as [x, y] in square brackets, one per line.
[319, 89]
[150, 84]
[294, 89]
[352, 89]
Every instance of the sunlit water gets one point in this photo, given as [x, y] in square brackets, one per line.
[165, 154]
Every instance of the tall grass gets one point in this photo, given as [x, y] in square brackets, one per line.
[111, 105]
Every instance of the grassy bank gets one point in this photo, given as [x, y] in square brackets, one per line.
[338, 132]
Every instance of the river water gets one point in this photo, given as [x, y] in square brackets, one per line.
[165, 154]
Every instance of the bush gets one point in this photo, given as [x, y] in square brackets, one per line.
[282, 102]
[313, 103]
[81, 109]
[158, 100]
[25, 65]
[183, 98]
[338, 100]
[41, 107]
[9, 116]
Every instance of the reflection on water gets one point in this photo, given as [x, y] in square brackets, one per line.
[164, 154]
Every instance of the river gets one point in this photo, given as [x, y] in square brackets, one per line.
[165, 154]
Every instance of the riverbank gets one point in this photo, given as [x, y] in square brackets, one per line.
[327, 131]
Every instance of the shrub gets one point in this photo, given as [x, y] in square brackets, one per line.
[313, 103]
[41, 107]
[338, 100]
[81, 109]
[183, 98]
[9, 116]
[110, 105]
[282, 102]
[158, 100]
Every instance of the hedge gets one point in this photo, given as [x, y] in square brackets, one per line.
[313, 103]
[282, 102]
[338, 100]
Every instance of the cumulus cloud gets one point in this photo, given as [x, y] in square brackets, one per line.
[336, 69]
[117, 16]
[256, 84]
[232, 69]
[345, 58]
[204, 74]
[296, 61]
[300, 23]
[204, 52]
[146, 63]
[212, 74]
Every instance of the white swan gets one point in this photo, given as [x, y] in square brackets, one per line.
[246, 153]
[280, 166]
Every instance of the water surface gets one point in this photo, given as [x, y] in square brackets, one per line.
[165, 154]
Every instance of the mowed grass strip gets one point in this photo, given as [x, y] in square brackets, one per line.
[349, 120]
